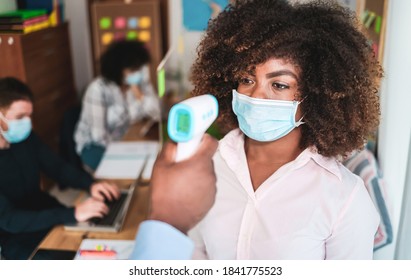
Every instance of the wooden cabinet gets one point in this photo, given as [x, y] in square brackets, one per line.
[42, 59]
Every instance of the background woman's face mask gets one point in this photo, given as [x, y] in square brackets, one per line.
[265, 120]
[18, 130]
[134, 78]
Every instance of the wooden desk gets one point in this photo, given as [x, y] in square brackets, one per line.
[58, 238]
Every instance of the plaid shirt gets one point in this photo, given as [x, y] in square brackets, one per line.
[107, 113]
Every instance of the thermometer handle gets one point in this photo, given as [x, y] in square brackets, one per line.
[187, 149]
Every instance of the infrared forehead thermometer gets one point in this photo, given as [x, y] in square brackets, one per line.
[189, 120]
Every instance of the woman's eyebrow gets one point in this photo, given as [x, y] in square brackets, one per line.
[281, 73]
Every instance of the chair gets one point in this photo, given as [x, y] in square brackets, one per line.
[364, 164]
[67, 146]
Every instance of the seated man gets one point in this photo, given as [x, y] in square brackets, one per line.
[26, 212]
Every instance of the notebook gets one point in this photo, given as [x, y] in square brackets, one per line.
[126, 160]
[113, 222]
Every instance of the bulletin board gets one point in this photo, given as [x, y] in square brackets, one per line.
[373, 15]
[139, 20]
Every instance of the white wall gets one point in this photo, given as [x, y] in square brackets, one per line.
[403, 248]
[77, 15]
[190, 39]
[7, 5]
[395, 129]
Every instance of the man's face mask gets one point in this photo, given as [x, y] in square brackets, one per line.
[265, 120]
[18, 130]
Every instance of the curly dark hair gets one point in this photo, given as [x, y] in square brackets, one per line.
[121, 55]
[339, 73]
[11, 90]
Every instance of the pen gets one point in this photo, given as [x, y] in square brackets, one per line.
[98, 253]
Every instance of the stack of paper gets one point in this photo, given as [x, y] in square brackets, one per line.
[125, 160]
[146, 175]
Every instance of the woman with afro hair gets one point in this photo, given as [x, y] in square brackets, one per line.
[297, 86]
[120, 96]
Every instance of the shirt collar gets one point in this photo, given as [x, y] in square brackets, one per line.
[328, 163]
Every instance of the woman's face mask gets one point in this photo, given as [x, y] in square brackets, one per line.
[18, 130]
[134, 78]
[265, 120]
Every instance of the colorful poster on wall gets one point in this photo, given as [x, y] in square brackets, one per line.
[113, 21]
[196, 13]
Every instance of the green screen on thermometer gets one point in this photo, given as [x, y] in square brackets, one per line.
[183, 122]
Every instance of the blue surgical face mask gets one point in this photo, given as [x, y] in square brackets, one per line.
[134, 78]
[18, 130]
[265, 120]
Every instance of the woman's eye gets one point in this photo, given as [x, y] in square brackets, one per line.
[280, 86]
[245, 81]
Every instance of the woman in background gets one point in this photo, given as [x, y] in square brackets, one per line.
[26, 212]
[301, 83]
[120, 96]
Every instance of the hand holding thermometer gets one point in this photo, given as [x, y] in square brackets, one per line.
[189, 120]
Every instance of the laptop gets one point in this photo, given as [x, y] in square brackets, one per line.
[113, 221]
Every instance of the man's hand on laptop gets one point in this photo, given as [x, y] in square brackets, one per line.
[90, 208]
[95, 206]
[104, 191]
[183, 192]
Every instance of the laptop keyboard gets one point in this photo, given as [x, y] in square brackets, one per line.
[114, 208]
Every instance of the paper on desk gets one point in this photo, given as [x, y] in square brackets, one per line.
[125, 160]
[124, 248]
[146, 175]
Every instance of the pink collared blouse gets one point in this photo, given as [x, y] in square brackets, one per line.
[311, 208]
